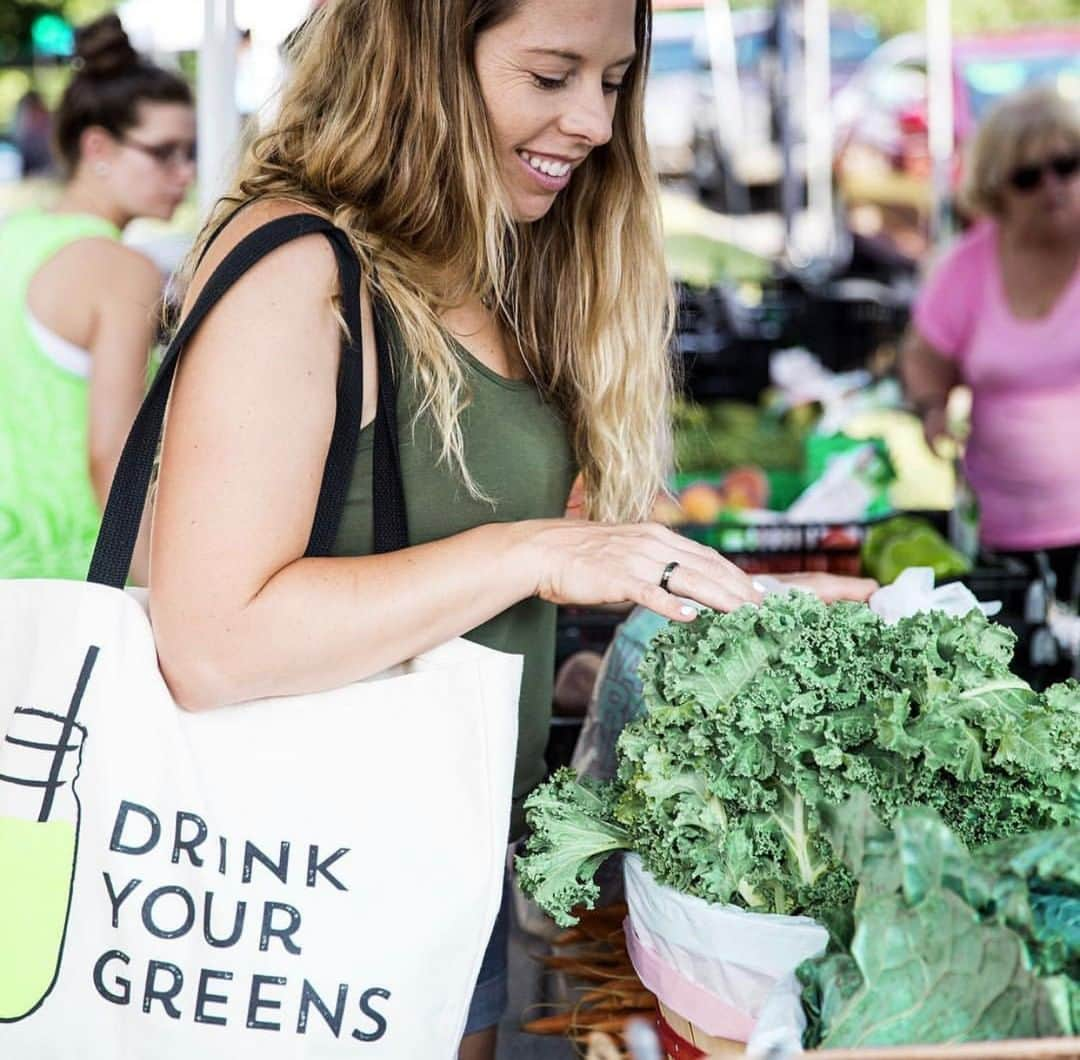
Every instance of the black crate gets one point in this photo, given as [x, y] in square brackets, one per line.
[725, 344]
[846, 321]
[1002, 579]
[786, 548]
[584, 629]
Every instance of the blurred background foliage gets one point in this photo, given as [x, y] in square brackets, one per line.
[18, 16]
[22, 66]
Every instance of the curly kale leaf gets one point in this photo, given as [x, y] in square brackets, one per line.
[758, 718]
[742, 835]
[573, 832]
[799, 704]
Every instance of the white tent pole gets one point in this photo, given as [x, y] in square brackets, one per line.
[940, 111]
[219, 121]
[818, 124]
[725, 77]
[727, 100]
[782, 98]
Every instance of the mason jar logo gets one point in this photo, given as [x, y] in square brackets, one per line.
[40, 758]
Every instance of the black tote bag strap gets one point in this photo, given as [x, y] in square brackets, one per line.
[391, 530]
[127, 497]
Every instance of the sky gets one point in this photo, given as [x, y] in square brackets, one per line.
[154, 26]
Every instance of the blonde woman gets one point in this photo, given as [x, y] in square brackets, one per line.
[1001, 314]
[487, 160]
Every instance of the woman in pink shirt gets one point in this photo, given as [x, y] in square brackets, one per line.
[1000, 314]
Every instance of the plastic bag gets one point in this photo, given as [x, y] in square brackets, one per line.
[913, 591]
[801, 379]
[854, 485]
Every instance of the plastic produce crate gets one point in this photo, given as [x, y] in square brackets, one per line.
[725, 344]
[785, 548]
[1005, 580]
[847, 320]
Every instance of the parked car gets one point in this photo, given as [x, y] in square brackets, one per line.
[724, 165]
[880, 116]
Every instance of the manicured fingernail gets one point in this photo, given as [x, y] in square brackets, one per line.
[688, 611]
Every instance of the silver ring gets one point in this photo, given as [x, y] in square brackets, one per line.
[669, 570]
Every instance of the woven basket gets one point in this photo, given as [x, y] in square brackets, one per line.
[684, 1041]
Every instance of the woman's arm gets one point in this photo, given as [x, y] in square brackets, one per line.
[239, 613]
[929, 378]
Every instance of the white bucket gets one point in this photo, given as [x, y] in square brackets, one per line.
[713, 966]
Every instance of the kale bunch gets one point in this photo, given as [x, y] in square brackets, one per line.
[759, 718]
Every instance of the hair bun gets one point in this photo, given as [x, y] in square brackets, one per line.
[102, 48]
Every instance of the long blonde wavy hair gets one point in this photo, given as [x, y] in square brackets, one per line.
[383, 129]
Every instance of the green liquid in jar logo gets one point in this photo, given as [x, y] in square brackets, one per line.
[36, 862]
[40, 757]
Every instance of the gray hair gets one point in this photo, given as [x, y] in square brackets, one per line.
[1028, 120]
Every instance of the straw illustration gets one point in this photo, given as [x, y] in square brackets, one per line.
[39, 825]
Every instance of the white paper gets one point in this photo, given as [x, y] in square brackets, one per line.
[842, 494]
[913, 591]
[781, 1023]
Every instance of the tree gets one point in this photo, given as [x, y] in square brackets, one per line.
[17, 19]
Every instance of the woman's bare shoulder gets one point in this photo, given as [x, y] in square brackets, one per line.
[307, 261]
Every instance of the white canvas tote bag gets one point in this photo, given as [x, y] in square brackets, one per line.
[309, 876]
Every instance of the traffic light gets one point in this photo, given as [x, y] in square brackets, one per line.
[51, 34]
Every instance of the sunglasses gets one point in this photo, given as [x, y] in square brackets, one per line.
[170, 155]
[1028, 178]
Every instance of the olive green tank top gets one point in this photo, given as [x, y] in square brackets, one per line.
[518, 451]
[49, 515]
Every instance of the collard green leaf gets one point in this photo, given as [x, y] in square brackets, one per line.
[947, 946]
[931, 972]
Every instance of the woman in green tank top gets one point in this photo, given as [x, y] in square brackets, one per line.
[78, 309]
[487, 160]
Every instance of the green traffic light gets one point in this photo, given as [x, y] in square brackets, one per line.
[52, 35]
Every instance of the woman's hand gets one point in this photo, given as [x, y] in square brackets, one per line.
[831, 587]
[929, 378]
[599, 563]
[935, 422]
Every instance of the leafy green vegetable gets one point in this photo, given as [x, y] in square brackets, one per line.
[909, 541]
[573, 832]
[944, 946]
[705, 262]
[760, 717]
[731, 434]
[1032, 883]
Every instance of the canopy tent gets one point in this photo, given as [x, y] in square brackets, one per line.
[157, 27]
[213, 31]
